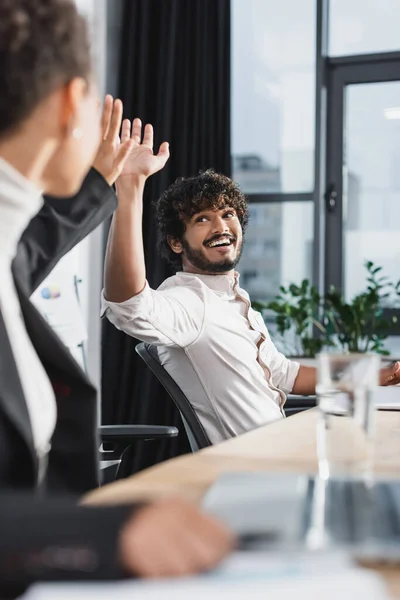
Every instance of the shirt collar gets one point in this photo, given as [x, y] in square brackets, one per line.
[20, 201]
[225, 284]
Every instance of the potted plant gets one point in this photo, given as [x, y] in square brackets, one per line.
[321, 322]
[360, 325]
[298, 308]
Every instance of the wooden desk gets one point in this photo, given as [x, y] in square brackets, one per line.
[286, 445]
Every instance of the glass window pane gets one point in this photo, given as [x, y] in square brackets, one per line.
[278, 248]
[273, 94]
[363, 26]
[372, 179]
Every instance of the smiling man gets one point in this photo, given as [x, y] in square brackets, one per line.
[210, 340]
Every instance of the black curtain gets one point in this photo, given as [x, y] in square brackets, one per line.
[175, 74]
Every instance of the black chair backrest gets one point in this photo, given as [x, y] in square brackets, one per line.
[195, 431]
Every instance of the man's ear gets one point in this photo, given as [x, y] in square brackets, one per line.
[175, 245]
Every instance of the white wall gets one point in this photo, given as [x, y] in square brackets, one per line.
[90, 251]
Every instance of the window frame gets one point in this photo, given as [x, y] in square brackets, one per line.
[327, 267]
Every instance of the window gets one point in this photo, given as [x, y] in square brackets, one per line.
[273, 95]
[371, 181]
[363, 26]
[278, 249]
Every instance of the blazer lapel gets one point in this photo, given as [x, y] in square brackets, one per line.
[11, 392]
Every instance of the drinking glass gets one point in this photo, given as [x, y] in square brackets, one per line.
[346, 423]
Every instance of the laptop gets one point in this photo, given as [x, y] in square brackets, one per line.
[284, 511]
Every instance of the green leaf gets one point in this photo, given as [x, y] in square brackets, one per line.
[275, 306]
[294, 289]
[304, 286]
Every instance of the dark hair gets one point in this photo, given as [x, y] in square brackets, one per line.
[188, 196]
[43, 44]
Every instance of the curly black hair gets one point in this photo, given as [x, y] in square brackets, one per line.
[188, 196]
[43, 44]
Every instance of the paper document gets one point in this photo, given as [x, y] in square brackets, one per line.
[245, 575]
[388, 398]
[57, 300]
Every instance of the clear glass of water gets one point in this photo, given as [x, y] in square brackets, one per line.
[346, 422]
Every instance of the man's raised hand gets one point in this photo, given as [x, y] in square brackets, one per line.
[141, 161]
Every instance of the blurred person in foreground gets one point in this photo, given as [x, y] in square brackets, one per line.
[49, 137]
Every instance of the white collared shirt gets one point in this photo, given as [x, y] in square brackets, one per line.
[19, 202]
[215, 346]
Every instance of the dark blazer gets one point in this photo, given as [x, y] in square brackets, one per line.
[42, 537]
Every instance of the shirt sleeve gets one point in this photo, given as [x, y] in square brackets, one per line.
[59, 226]
[53, 539]
[283, 371]
[170, 317]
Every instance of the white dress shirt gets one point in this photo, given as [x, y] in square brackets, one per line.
[19, 202]
[215, 346]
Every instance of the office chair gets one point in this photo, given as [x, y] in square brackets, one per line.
[195, 431]
[116, 439]
[295, 404]
[197, 436]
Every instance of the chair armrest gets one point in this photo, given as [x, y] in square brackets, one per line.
[130, 433]
[116, 439]
[295, 404]
[294, 401]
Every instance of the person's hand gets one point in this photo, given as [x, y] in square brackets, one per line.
[113, 152]
[142, 162]
[390, 375]
[172, 538]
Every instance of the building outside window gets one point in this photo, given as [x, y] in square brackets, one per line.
[316, 140]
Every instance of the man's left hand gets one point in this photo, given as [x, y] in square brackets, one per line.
[390, 375]
[112, 154]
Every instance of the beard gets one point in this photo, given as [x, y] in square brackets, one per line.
[198, 260]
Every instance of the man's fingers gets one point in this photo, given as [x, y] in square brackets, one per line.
[393, 369]
[116, 120]
[106, 115]
[148, 136]
[137, 130]
[390, 375]
[164, 150]
[125, 131]
[163, 155]
[395, 378]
